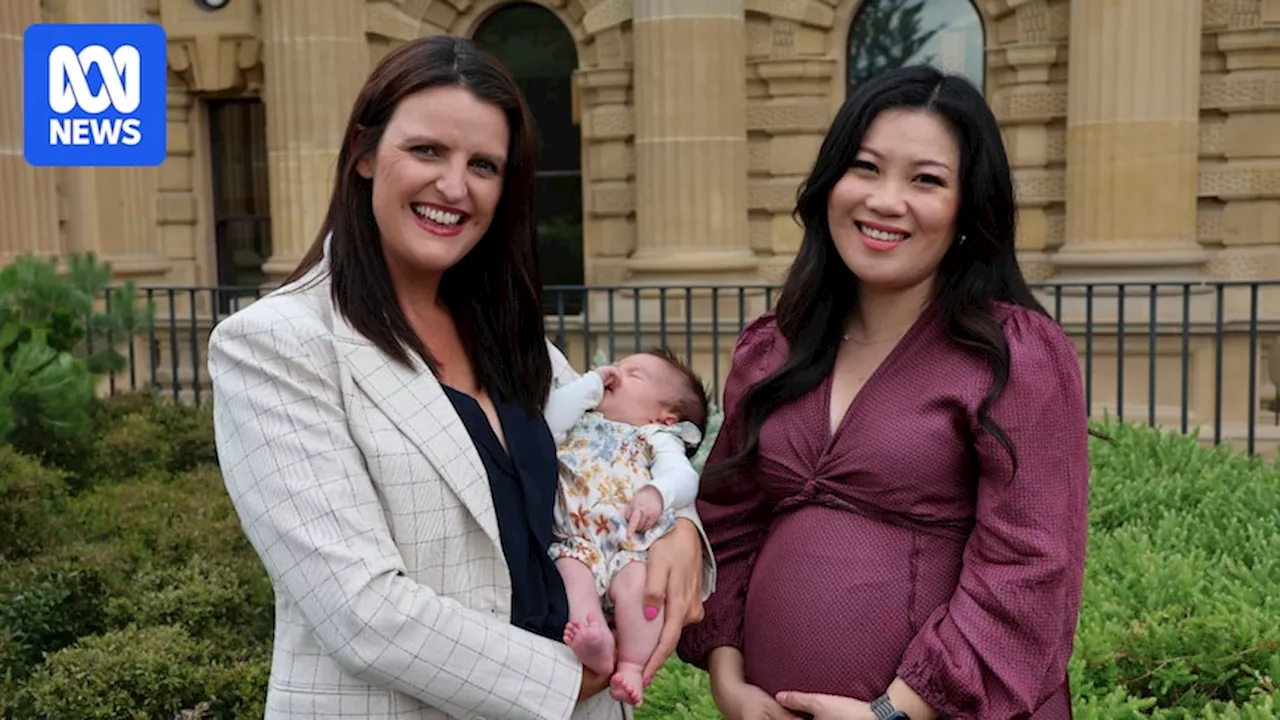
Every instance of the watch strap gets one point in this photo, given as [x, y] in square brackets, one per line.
[884, 709]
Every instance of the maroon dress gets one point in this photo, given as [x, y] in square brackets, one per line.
[905, 545]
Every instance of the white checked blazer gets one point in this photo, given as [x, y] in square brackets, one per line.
[360, 489]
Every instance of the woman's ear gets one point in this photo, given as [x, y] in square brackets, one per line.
[365, 165]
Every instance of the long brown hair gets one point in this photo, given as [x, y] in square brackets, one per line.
[495, 291]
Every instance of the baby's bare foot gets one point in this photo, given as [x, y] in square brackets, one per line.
[592, 642]
[627, 684]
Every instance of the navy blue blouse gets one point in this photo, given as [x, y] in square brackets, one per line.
[522, 479]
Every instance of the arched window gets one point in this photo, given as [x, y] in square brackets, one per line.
[891, 33]
[538, 49]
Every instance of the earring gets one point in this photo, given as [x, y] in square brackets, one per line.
[962, 238]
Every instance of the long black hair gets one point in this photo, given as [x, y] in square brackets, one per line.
[820, 291]
[495, 291]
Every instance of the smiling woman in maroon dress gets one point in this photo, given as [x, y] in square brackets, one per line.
[898, 496]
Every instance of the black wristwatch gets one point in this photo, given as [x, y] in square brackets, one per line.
[884, 709]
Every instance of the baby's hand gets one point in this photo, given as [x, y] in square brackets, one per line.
[643, 510]
[609, 375]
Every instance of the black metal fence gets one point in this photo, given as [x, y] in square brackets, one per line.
[1183, 355]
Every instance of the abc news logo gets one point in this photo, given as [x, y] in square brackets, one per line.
[94, 95]
[69, 89]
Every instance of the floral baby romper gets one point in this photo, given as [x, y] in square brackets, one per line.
[602, 465]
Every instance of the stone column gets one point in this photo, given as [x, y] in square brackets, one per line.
[114, 208]
[1026, 82]
[315, 60]
[1132, 140]
[1241, 175]
[28, 202]
[690, 139]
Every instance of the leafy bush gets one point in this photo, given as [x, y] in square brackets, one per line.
[149, 542]
[30, 497]
[1182, 590]
[54, 342]
[143, 672]
[44, 608]
[208, 599]
[133, 445]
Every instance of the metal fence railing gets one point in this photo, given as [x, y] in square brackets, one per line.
[1192, 356]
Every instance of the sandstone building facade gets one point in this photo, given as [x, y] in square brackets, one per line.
[1145, 137]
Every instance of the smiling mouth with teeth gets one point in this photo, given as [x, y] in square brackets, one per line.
[438, 216]
[881, 235]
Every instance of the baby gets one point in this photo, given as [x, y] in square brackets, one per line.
[625, 435]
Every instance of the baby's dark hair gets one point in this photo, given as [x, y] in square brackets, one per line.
[693, 404]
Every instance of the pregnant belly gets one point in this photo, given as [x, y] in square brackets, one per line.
[834, 601]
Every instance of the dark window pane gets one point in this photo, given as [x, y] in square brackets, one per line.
[538, 49]
[241, 210]
[891, 33]
[560, 228]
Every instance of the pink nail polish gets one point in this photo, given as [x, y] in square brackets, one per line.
[650, 612]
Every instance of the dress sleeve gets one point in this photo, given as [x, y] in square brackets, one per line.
[999, 647]
[733, 514]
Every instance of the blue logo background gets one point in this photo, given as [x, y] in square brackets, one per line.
[81, 138]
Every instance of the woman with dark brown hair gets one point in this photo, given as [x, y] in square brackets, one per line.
[380, 428]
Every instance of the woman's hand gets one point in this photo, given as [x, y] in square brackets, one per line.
[741, 701]
[674, 585]
[734, 696]
[834, 707]
[826, 707]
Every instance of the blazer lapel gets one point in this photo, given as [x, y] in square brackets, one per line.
[415, 402]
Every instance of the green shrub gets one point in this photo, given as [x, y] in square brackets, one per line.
[161, 520]
[144, 672]
[141, 433]
[209, 600]
[45, 607]
[678, 691]
[1182, 592]
[153, 672]
[135, 445]
[54, 342]
[31, 496]
[190, 434]
[43, 392]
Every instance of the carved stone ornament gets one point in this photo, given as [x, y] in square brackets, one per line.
[213, 49]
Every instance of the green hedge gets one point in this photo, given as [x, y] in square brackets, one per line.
[127, 588]
[137, 596]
